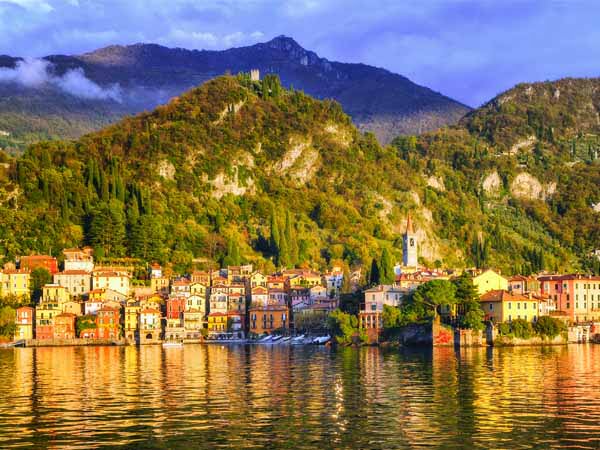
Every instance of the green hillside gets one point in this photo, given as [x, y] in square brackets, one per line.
[238, 170]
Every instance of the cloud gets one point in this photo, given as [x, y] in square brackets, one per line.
[467, 49]
[35, 73]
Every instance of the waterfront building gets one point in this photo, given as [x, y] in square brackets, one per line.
[502, 306]
[64, 326]
[371, 310]
[33, 262]
[267, 319]
[489, 280]
[575, 295]
[108, 320]
[76, 259]
[131, 322]
[150, 326]
[24, 322]
[44, 320]
[77, 282]
[305, 278]
[175, 309]
[193, 323]
[235, 323]
[217, 322]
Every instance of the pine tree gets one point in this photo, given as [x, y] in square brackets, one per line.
[274, 240]
[386, 267]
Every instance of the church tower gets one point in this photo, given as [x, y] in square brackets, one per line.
[409, 246]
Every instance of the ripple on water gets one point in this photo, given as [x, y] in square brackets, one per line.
[299, 397]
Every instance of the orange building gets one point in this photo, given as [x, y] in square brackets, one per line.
[108, 323]
[33, 262]
[64, 326]
[269, 318]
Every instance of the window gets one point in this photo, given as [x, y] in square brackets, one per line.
[491, 306]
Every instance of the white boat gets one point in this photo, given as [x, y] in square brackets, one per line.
[321, 340]
[286, 340]
[172, 344]
[276, 339]
[298, 340]
[265, 340]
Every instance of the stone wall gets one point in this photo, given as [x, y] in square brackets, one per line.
[71, 342]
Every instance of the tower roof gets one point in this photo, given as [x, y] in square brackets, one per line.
[409, 225]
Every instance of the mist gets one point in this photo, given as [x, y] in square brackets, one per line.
[36, 73]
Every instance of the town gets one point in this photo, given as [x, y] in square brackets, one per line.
[86, 302]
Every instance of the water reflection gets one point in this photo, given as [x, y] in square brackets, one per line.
[299, 397]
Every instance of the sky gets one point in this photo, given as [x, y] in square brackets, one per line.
[468, 50]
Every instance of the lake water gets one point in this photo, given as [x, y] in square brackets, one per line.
[299, 397]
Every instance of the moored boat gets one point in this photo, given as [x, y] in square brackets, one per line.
[172, 344]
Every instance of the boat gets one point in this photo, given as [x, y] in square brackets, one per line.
[172, 344]
[276, 339]
[298, 340]
[265, 340]
[321, 340]
[285, 340]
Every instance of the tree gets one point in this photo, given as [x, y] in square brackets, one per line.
[7, 322]
[346, 285]
[342, 326]
[386, 268]
[38, 278]
[275, 237]
[107, 228]
[374, 276]
[435, 293]
[87, 322]
[392, 317]
[549, 326]
[147, 238]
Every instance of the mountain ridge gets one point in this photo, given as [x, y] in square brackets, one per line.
[149, 74]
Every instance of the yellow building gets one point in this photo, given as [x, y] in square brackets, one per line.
[159, 284]
[502, 306]
[307, 279]
[198, 289]
[15, 282]
[490, 281]
[132, 314]
[55, 293]
[217, 322]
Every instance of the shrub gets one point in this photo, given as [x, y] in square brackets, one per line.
[549, 326]
[522, 329]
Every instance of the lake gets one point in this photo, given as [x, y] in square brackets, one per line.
[252, 396]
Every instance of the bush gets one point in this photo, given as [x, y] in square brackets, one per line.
[522, 329]
[549, 326]
[342, 326]
[504, 328]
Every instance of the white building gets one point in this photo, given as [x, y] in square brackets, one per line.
[76, 259]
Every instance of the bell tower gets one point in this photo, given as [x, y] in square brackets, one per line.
[409, 245]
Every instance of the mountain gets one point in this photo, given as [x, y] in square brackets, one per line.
[146, 75]
[238, 170]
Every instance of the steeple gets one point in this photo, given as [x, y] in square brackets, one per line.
[409, 225]
[410, 255]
